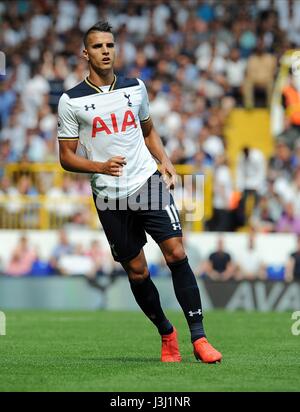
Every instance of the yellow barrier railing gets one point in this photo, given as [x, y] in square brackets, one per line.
[46, 212]
[36, 171]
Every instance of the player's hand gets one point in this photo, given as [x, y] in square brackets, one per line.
[169, 174]
[114, 166]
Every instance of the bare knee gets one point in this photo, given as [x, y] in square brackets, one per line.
[138, 276]
[175, 254]
[137, 269]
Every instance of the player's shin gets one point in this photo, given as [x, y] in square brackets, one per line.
[188, 296]
[147, 297]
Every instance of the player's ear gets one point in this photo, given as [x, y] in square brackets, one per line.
[85, 54]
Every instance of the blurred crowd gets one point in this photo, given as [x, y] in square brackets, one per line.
[65, 259]
[94, 262]
[198, 58]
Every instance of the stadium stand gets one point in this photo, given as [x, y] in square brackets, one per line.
[198, 59]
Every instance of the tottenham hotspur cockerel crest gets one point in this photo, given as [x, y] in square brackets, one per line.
[127, 96]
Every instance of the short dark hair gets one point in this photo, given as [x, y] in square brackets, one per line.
[102, 26]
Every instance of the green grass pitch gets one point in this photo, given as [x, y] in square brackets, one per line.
[119, 351]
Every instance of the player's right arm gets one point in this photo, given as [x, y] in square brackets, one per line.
[73, 163]
[68, 132]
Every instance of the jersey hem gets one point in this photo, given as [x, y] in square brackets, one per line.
[68, 138]
[128, 194]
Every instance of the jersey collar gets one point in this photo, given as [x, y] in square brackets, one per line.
[97, 88]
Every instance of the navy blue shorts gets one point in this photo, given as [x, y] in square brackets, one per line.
[125, 221]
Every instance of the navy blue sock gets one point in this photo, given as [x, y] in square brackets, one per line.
[188, 296]
[147, 297]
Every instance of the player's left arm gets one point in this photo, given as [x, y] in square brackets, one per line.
[156, 148]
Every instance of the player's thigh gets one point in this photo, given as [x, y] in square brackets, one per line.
[125, 235]
[161, 220]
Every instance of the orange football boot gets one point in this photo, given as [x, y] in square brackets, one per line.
[205, 352]
[169, 347]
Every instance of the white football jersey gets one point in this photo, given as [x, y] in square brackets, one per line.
[107, 123]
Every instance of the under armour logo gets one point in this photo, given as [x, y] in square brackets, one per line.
[174, 218]
[127, 96]
[92, 106]
[198, 312]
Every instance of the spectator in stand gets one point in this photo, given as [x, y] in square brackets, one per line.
[290, 191]
[251, 172]
[249, 262]
[7, 155]
[8, 98]
[211, 86]
[22, 259]
[26, 187]
[67, 197]
[292, 269]
[14, 133]
[34, 95]
[6, 187]
[181, 149]
[35, 148]
[8, 196]
[269, 209]
[212, 61]
[291, 105]
[98, 256]
[262, 219]
[289, 15]
[219, 265]
[24, 214]
[222, 192]
[76, 76]
[275, 201]
[40, 267]
[76, 263]
[250, 178]
[82, 186]
[211, 144]
[81, 219]
[297, 153]
[63, 248]
[289, 222]
[235, 72]
[282, 163]
[260, 73]
[79, 263]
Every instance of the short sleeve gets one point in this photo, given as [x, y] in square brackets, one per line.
[67, 126]
[144, 114]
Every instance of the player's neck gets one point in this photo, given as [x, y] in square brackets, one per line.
[104, 79]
